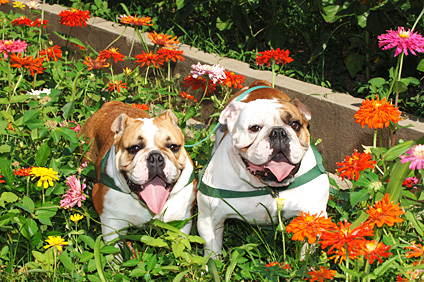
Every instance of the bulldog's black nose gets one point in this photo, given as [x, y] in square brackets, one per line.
[156, 160]
[278, 133]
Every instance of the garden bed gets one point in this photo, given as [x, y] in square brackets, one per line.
[332, 113]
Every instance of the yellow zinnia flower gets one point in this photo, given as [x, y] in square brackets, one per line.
[46, 176]
[55, 241]
[76, 217]
[19, 5]
[280, 203]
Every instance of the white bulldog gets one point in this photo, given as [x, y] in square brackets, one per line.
[143, 171]
[264, 154]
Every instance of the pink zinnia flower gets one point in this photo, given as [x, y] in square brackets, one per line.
[9, 46]
[415, 155]
[75, 193]
[216, 73]
[402, 40]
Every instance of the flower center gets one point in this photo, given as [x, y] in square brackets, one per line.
[8, 42]
[419, 151]
[404, 34]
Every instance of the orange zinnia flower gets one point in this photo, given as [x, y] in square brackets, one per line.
[143, 107]
[199, 82]
[377, 113]
[416, 251]
[321, 274]
[149, 58]
[95, 64]
[52, 53]
[22, 21]
[163, 40]
[4, 1]
[1, 180]
[374, 251]
[310, 226]
[117, 85]
[341, 235]
[187, 96]
[23, 171]
[233, 79]
[281, 265]
[170, 54]
[277, 55]
[384, 212]
[74, 17]
[135, 21]
[340, 254]
[30, 63]
[112, 52]
[351, 166]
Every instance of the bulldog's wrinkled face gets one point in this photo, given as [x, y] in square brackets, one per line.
[270, 136]
[150, 155]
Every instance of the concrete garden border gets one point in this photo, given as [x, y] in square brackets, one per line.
[332, 113]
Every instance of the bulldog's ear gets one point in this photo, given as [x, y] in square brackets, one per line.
[230, 114]
[169, 116]
[302, 108]
[118, 125]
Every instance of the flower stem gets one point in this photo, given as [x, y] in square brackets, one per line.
[418, 19]
[306, 261]
[282, 229]
[374, 142]
[273, 72]
[116, 38]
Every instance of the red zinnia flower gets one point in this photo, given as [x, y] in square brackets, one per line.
[112, 52]
[52, 53]
[74, 17]
[1, 180]
[187, 96]
[352, 165]
[416, 251]
[95, 64]
[384, 212]
[199, 82]
[149, 58]
[163, 40]
[170, 54]
[377, 113]
[37, 22]
[23, 171]
[277, 55]
[117, 85]
[321, 274]
[30, 63]
[22, 21]
[341, 234]
[143, 107]
[374, 251]
[310, 226]
[233, 79]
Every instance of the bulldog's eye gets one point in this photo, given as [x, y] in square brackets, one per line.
[295, 125]
[255, 128]
[133, 149]
[174, 148]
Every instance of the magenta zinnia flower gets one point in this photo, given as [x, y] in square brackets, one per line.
[216, 73]
[75, 193]
[415, 155]
[10, 46]
[402, 40]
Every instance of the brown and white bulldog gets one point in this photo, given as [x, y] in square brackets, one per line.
[262, 147]
[142, 169]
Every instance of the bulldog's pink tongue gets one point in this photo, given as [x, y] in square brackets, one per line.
[155, 195]
[280, 169]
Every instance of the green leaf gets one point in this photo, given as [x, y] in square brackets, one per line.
[29, 228]
[213, 270]
[6, 171]
[109, 250]
[130, 263]
[67, 262]
[177, 249]
[420, 66]
[395, 151]
[86, 256]
[98, 259]
[354, 63]
[31, 115]
[42, 155]
[70, 39]
[234, 259]
[137, 272]
[196, 239]
[412, 218]
[399, 86]
[154, 242]
[390, 263]
[19, 98]
[7, 197]
[397, 176]
[68, 109]
[28, 203]
[358, 196]
[180, 276]
[86, 239]
[55, 134]
[361, 218]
